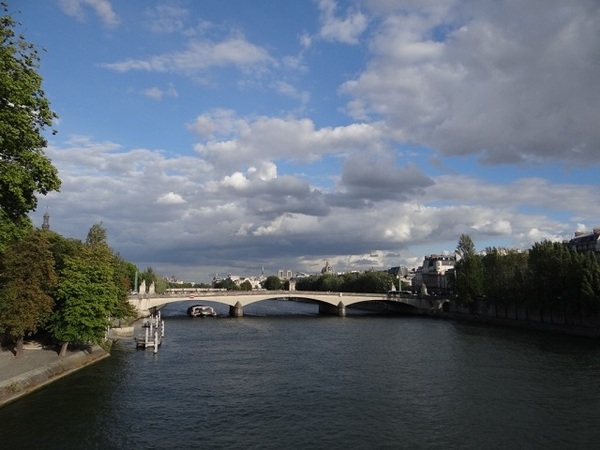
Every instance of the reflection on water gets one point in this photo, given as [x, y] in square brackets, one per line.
[284, 377]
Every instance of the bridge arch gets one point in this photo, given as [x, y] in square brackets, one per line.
[333, 303]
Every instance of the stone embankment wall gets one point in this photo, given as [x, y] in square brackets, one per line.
[22, 384]
[535, 319]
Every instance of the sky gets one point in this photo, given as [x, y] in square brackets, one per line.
[223, 137]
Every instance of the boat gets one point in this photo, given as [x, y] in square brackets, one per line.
[201, 311]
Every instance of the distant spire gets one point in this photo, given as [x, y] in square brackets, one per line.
[46, 223]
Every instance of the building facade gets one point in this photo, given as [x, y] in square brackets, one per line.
[586, 242]
[436, 274]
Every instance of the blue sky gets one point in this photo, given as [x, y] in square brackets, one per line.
[227, 136]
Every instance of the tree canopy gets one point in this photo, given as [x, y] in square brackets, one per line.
[272, 283]
[27, 279]
[468, 281]
[24, 115]
[371, 281]
[96, 235]
[87, 296]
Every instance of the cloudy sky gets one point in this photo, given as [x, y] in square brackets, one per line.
[225, 136]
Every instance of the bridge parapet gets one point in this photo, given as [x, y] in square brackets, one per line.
[329, 302]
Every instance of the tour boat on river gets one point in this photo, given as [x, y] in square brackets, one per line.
[201, 311]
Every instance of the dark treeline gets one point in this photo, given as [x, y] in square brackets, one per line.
[368, 282]
[549, 277]
[62, 288]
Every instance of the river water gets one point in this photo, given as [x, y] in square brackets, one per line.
[284, 377]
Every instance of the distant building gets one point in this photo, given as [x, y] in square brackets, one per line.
[255, 282]
[327, 270]
[436, 274]
[174, 280]
[586, 242]
[284, 274]
[46, 223]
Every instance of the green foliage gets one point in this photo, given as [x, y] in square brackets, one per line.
[227, 283]
[12, 229]
[468, 281]
[93, 287]
[27, 278]
[550, 277]
[149, 276]
[96, 235]
[160, 285]
[90, 293]
[368, 282]
[246, 286]
[24, 114]
[124, 274]
[329, 282]
[504, 276]
[465, 246]
[562, 279]
[272, 283]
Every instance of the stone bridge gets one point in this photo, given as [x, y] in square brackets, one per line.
[332, 303]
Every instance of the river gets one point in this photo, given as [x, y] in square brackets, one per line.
[284, 377]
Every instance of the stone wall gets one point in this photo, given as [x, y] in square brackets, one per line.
[547, 320]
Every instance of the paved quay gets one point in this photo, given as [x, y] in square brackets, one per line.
[39, 367]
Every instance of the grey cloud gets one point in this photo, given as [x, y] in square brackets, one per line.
[513, 81]
[378, 180]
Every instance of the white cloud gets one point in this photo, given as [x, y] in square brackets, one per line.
[268, 138]
[102, 8]
[218, 123]
[157, 93]
[170, 198]
[200, 55]
[212, 217]
[168, 18]
[290, 91]
[347, 30]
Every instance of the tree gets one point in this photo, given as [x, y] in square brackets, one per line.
[125, 273]
[548, 274]
[148, 276]
[24, 115]
[246, 286]
[27, 279]
[503, 275]
[590, 284]
[465, 246]
[374, 281]
[123, 277]
[96, 235]
[227, 283]
[272, 283]
[468, 281]
[86, 297]
[563, 280]
[92, 290]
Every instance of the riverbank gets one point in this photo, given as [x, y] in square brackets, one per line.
[557, 322]
[39, 367]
